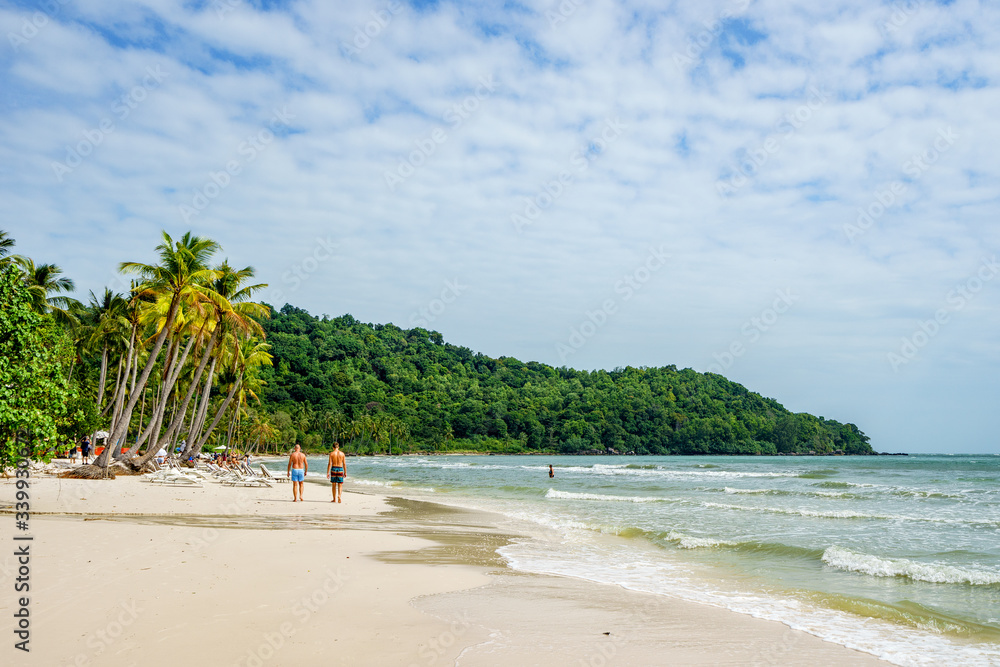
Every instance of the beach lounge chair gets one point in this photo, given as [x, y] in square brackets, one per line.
[171, 477]
[219, 472]
[239, 479]
[197, 472]
[269, 477]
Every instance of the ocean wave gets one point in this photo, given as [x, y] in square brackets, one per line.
[843, 485]
[569, 495]
[917, 493]
[695, 474]
[756, 492]
[374, 482]
[850, 514]
[391, 484]
[834, 514]
[935, 573]
[691, 542]
[783, 492]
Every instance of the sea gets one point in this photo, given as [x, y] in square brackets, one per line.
[896, 556]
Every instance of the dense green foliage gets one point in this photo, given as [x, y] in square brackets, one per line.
[332, 372]
[34, 355]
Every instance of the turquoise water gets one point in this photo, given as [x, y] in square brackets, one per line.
[896, 556]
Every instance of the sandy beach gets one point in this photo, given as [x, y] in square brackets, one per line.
[123, 572]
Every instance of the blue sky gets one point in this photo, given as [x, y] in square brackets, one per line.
[801, 196]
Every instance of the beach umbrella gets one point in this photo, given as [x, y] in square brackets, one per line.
[220, 447]
[101, 435]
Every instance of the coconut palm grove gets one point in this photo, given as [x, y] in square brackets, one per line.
[188, 361]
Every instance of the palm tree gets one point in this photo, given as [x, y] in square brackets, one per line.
[110, 328]
[261, 431]
[47, 287]
[181, 272]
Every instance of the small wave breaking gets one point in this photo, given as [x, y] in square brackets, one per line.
[569, 495]
[691, 542]
[935, 573]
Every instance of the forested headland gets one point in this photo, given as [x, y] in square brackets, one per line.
[416, 392]
[186, 360]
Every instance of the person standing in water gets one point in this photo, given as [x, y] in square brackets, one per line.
[552, 473]
[336, 470]
[298, 466]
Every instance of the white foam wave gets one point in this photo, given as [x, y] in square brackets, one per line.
[835, 514]
[691, 542]
[569, 495]
[374, 482]
[781, 492]
[391, 484]
[849, 514]
[937, 573]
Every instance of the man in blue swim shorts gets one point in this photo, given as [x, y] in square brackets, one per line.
[298, 466]
[336, 470]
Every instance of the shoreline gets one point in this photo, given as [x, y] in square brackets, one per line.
[242, 576]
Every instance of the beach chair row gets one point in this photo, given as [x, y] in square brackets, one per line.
[238, 475]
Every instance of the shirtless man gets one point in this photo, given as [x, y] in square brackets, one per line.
[336, 470]
[298, 466]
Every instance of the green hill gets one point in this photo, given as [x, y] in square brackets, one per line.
[379, 386]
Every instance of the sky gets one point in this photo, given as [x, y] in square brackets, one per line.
[800, 196]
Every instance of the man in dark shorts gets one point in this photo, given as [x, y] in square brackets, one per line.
[85, 450]
[336, 470]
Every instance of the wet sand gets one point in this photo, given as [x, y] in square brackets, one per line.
[128, 573]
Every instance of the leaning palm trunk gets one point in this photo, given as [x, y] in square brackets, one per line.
[114, 392]
[103, 377]
[133, 398]
[218, 416]
[198, 418]
[132, 359]
[156, 423]
[178, 417]
[159, 404]
[115, 439]
[117, 453]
